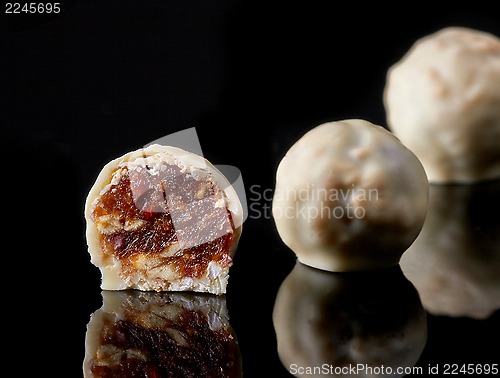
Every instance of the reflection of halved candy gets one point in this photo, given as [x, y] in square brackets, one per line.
[162, 218]
[149, 334]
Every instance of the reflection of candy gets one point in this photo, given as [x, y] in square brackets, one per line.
[443, 102]
[344, 319]
[455, 261]
[349, 196]
[148, 334]
[162, 218]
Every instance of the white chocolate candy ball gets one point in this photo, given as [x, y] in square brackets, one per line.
[443, 101]
[349, 196]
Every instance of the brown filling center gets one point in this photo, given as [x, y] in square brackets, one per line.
[148, 212]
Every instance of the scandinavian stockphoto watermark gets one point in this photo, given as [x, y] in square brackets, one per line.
[310, 202]
[365, 370]
[353, 369]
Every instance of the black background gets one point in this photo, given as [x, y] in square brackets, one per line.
[105, 77]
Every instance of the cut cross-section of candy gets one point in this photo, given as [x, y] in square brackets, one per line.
[162, 218]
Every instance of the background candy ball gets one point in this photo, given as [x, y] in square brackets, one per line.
[443, 101]
[349, 196]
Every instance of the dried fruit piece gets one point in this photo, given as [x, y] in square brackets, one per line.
[162, 218]
[139, 334]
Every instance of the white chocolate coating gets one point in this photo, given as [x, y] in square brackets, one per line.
[349, 196]
[152, 273]
[442, 100]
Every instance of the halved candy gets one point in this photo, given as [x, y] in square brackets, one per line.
[161, 218]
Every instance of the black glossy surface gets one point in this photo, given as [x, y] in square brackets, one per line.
[80, 88]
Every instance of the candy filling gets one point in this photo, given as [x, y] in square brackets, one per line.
[163, 215]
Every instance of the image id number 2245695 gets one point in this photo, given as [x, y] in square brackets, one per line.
[13, 8]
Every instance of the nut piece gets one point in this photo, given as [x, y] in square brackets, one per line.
[349, 196]
[443, 101]
[162, 218]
